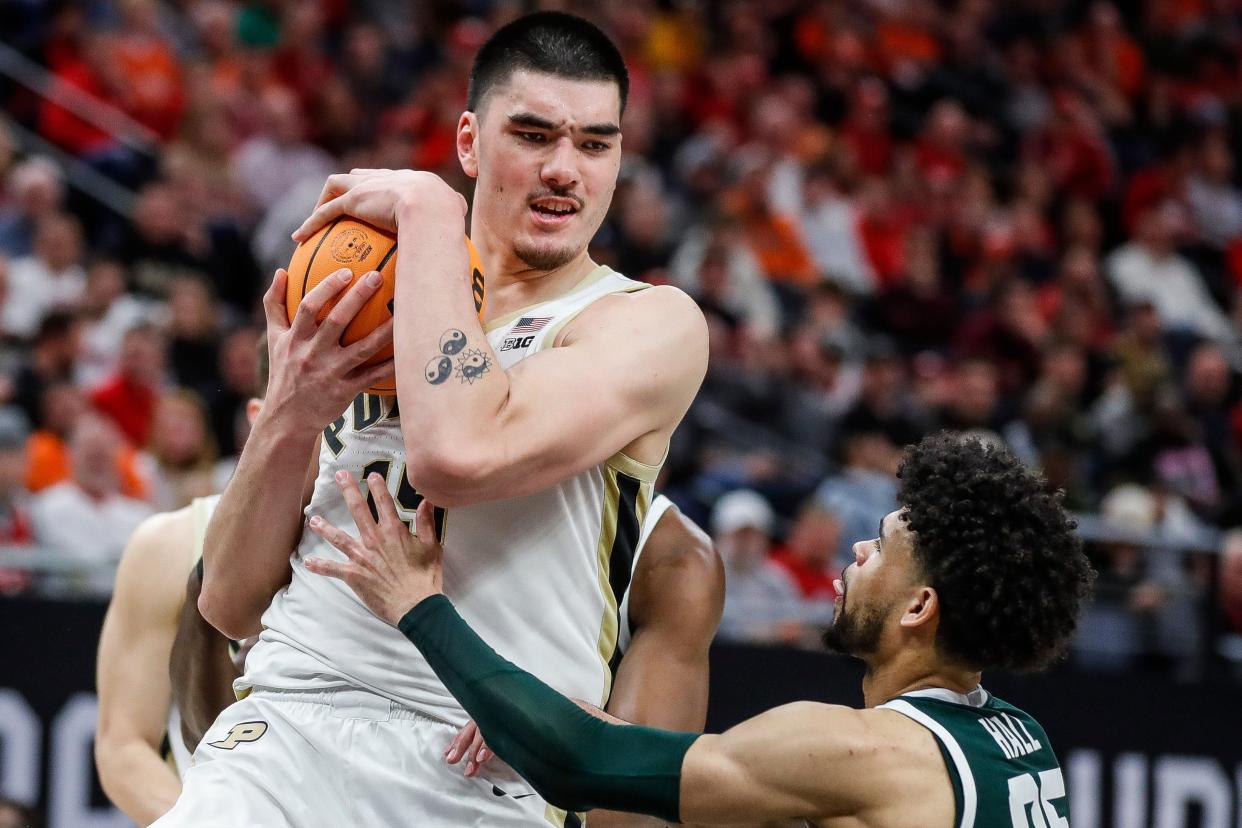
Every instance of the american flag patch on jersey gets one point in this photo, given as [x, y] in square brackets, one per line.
[530, 324]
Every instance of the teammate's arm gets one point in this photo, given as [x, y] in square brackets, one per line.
[200, 668]
[627, 368]
[132, 668]
[258, 521]
[676, 598]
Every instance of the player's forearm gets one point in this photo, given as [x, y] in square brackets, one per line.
[450, 387]
[575, 760]
[136, 778]
[255, 527]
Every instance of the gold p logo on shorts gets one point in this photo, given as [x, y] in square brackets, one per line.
[244, 732]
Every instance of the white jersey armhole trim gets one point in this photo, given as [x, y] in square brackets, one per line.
[659, 506]
[969, 794]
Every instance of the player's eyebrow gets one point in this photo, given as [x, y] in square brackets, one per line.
[529, 119]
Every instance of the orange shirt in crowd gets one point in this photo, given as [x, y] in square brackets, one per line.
[47, 458]
[777, 245]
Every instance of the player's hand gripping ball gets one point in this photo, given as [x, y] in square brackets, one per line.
[360, 247]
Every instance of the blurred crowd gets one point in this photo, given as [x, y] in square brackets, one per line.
[1021, 219]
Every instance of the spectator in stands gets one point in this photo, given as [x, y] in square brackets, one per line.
[169, 238]
[148, 66]
[183, 451]
[35, 191]
[86, 517]
[1144, 610]
[51, 278]
[721, 274]
[276, 160]
[808, 557]
[821, 384]
[831, 226]
[239, 381]
[864, 490]
[129, 396]
[1149, 268]
[1209, 394]
[1215, 201]
[975, 403]
[62, 404]
[762, 603]
[16, 524]
[193, 334]
[106, 313]
[55, 351]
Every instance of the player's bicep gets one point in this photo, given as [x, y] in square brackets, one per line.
[620, 376]
[802, 760]
[675, 603]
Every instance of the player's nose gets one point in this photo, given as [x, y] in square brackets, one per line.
[560, 169]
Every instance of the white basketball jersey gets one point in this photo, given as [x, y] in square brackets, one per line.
[538, 577]
[176, 752]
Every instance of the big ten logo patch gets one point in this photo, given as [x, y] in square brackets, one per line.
[514, 343]
[240, 734]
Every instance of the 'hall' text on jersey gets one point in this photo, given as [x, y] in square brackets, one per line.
[999, 759]
[539, 577]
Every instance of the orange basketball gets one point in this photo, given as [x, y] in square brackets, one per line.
[353, 244]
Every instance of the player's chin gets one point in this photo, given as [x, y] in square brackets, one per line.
[545, 254]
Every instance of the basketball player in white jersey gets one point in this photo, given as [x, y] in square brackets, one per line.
[668, 619]
[541, 430]
[159, 663]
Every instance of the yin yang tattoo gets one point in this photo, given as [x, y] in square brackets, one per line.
[439, 369]
[471, 364]
[452, 342]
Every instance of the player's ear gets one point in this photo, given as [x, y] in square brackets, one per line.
[922, 607]
[253, 407]
[467, 139]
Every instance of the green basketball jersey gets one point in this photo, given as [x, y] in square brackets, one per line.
[1004, 772]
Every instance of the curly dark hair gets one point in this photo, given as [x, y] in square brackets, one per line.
[998, 548]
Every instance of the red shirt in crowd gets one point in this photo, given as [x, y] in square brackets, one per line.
[813, 581]
[129, 404]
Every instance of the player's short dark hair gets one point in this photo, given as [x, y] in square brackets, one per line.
[551, 42]
[999, 549]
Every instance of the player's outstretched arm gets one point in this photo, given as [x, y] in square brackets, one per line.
[259, 519]
[132, 667]
[200, 668]
[799, 761]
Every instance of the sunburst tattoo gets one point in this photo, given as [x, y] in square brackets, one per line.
[472, 365]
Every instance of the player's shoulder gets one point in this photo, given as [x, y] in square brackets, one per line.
[152, 574]
[659, 308]
[679, 561]
[162, 538]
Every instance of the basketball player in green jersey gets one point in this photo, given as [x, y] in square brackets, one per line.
[980, 568]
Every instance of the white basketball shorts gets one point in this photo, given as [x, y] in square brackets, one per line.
[343, 757]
